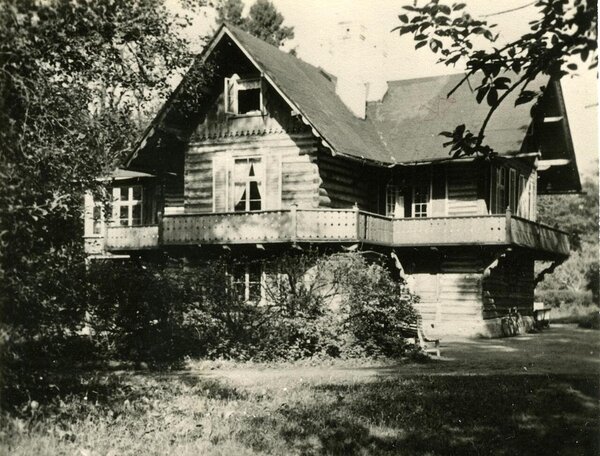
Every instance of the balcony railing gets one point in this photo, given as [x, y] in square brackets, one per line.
[338, 225]
[132, 237]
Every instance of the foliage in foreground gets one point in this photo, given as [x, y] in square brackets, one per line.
[337, 305]
[563, 34]
[190, 414]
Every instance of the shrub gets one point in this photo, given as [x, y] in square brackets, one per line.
[592, 321]
[315, 305]
[558, 298]
[374, 306]
[136, 310]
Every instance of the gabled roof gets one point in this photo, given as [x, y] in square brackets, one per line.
[312, 91]
[413, 112]
[403, 127]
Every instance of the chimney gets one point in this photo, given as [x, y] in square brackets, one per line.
[353, 94]
[358, 65]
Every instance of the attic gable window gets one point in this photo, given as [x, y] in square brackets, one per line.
[243, 96]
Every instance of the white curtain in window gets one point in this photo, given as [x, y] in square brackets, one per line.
[258, 174]
[241, 173]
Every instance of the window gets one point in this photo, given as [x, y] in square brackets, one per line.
[243, 96]
[246, 281]
[247, 185]
[97, 219]
[512, 201]
[420, 200]
[394, 201]
[499, 206]
[128, 205]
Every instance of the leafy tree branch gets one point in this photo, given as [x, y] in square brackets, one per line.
[566, 31]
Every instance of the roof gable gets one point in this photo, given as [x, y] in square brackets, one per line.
[403, 128]
[312, 91]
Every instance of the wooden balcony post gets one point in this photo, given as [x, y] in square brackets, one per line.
[357, 211]
[294, 220]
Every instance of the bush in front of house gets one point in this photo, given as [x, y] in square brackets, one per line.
[337, 305]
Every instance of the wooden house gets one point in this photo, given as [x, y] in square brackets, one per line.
[276, 153]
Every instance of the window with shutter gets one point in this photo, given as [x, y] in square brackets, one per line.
[220, 183]
[248, 183]
[243, 96]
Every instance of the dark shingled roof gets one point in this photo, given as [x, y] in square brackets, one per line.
[313, 92]
[402, 128]
[413, 113]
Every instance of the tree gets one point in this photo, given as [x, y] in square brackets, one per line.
[578, 216]
[564, 33]
[575, 214]
[71, 74]
[263, 20]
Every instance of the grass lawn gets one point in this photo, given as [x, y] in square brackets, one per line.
[535, 394]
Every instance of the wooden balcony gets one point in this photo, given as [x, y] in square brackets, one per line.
[119, 238]
[338, 225]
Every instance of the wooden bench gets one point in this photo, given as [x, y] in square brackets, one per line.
[414, 334]
[541, 314]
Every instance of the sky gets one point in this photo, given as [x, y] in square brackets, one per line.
[317, 26]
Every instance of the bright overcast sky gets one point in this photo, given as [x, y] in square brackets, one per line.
[316, 22]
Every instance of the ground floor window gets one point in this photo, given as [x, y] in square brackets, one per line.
[246, 281]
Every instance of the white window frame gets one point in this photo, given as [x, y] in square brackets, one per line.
[258, 177]
[130, 203]
[98, 223]
[233, 86]
[421, 209]
[245, 281]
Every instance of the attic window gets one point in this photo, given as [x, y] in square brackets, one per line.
[243, 96]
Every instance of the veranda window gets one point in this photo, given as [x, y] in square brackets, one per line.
[248, 184]
[394, 201]
[499, 205]
[513, 191]
[420, 203]
[128, 205]
[97, 219]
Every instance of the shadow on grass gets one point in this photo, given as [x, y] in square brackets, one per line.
[505, 415]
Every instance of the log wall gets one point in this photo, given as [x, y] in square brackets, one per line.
[288, 149]
[510, 284]
[464, 197]
[347, 182]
